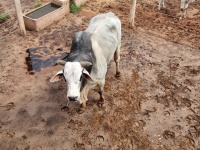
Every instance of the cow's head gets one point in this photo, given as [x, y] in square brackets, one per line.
[73, 73]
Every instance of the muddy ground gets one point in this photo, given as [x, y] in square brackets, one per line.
[153, 106]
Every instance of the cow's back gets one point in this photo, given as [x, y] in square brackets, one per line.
[105, 30]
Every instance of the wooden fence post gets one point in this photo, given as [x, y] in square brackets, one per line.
[20, 17]
[132, 13]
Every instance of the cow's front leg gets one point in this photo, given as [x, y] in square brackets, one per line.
[161, 2]
[83, 100]
[182, 14]
[185, 13]
[82, 107]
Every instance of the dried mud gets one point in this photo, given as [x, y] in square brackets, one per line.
[153, 106]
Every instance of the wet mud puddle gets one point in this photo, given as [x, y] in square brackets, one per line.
[41, 57]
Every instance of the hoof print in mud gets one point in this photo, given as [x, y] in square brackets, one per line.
[100, 138]
[193, 131]
[64, 108]
[8, 106]
[168, 134]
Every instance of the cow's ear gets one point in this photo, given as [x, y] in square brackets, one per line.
[87, 76]
[57, 77]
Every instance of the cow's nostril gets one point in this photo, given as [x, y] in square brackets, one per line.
[73, 98]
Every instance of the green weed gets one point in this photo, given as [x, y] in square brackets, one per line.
[4, 16]
[74, 8]
[37, 4]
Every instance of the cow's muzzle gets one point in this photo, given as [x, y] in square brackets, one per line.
[72, 98]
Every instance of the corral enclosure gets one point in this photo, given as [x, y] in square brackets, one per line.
[154, 105]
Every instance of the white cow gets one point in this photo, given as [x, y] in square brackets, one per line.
[183, 7]
[91, 51]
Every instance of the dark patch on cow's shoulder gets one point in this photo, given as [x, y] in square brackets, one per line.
[81, 42]
[81, 49]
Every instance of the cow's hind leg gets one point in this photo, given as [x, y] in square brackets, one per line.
[100, 91]
[117, 59]
[161, 4]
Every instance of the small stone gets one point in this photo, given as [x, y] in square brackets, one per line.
[137, 124]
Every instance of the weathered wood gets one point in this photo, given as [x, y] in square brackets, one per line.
[20, 17]
[41, 22]
[79, 2]
[132, 13]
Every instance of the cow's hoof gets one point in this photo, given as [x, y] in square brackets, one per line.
[83, 105]
[117, 75]
[100, 104]
[81, 110]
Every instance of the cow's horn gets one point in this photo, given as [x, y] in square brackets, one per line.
[85, 63]
[61, 62]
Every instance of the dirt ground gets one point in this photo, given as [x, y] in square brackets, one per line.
[155, 105]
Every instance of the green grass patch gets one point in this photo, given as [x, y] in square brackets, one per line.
[74, 8]
[37, 4]
[4, 16]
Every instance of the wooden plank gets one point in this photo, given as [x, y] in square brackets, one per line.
[132, 13]
[20, 17]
